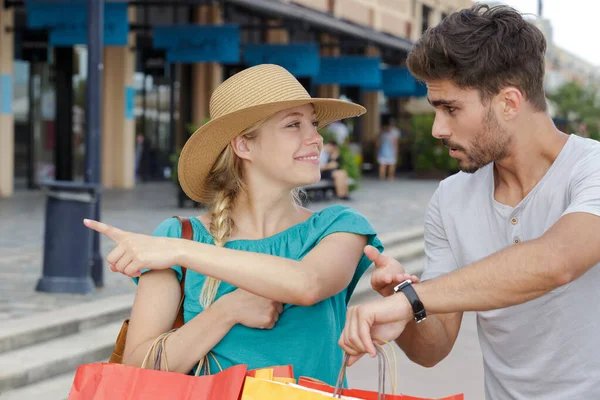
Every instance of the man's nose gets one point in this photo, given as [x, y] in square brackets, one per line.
[440, 129]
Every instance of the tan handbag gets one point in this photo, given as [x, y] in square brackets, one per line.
[187, 232]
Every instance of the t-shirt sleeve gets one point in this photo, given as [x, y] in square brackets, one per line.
[168, 228]
[439, 259]
[584, 190]
[345, 219]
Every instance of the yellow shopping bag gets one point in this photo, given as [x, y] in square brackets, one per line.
[263, 389]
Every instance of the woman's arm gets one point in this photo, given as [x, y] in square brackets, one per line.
[154, 311]
[323, 272]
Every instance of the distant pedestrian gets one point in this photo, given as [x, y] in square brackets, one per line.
[387, 148]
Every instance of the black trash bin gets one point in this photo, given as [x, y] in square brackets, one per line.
[67, 242]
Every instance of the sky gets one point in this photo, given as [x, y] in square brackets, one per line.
[575, 24]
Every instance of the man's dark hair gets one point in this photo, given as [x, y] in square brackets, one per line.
[486, 49]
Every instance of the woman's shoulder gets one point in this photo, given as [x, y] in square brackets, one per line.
[341, 218]
[171, 227]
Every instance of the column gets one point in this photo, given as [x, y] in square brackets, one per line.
[7, 126]
[329, 49]
[185, 102]
[205, 76]
[371, 120]
[276, 36]
[118, 119]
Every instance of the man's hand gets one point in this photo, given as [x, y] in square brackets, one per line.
[388, 272]
[381, 321]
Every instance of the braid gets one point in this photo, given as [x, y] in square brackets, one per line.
[221, 227]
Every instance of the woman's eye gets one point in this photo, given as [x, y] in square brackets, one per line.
[316, 124]
[450, 110]
[294, 125]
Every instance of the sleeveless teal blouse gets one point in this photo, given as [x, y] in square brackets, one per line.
[305, 337]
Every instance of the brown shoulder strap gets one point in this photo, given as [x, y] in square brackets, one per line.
[187, 232]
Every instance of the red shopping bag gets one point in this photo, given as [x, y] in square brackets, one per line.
[107, 381]
[384, 364]
[364, 394]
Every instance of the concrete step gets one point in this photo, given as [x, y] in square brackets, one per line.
[56, 388]
[26, 366]
[392, 239]
[406, 252]
[41, 327]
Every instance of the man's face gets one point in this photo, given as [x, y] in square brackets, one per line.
[469, 127]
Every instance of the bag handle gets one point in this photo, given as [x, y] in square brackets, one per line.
[187, 232]
[383, 362]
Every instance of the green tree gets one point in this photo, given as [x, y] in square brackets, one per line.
[578, 105]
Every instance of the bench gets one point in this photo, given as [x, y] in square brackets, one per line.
[321, 190]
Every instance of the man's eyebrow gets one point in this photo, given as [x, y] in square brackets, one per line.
[441, 102]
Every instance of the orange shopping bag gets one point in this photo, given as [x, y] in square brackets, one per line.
[107, 381]
[383, 360]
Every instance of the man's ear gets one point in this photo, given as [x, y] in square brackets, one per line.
[511, 100]
[241, 148]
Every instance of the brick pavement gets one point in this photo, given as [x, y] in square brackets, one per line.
[390, 206]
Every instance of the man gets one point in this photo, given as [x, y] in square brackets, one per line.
[515, 236]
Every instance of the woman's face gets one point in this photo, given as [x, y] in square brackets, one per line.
[285, 150]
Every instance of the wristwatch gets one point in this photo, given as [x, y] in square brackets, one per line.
[416, 304]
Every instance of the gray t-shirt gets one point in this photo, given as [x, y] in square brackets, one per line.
[548, 348]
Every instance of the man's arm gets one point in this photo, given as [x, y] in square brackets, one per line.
[528, 270]
[509, 277]
[519, 273]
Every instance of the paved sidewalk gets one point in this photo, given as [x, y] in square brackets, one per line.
[390, 206]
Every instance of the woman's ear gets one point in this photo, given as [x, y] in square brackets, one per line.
[241, 147]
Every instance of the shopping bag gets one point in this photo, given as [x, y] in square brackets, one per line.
[109, 381]
[364, 394]
[262, 389]
[384, 364]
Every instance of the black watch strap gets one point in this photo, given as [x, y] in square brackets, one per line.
[416, 304]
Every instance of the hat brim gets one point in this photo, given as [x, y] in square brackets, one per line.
[206, 144]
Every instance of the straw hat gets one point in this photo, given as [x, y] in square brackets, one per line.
[241, 101]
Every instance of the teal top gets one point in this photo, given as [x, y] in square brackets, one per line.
[305, 337]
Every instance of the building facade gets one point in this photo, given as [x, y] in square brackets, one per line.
[150, 103]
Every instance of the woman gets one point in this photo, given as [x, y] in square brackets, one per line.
[258, 260]
[387, 148]
[331, 170]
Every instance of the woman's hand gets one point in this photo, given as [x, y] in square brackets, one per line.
[135, 252]
[250, 310]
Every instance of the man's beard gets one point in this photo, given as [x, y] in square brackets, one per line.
[489, 144]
